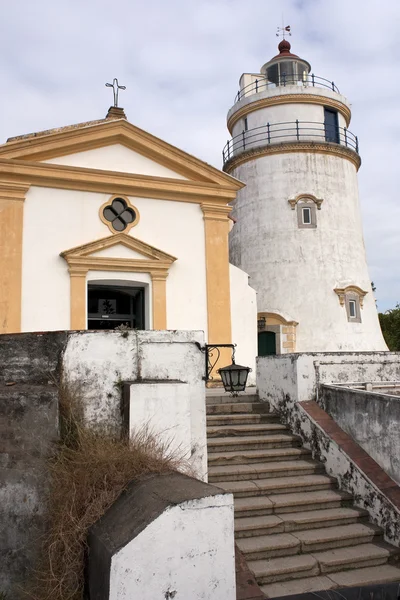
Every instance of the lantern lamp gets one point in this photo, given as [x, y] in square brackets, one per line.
[234, 378]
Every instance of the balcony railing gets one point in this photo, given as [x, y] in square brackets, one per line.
[260, 85]
[291, 131]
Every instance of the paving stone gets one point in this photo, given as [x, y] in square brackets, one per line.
[317, 518]
[252, 526]
[266, 546]
[335, 537]
[262, 470]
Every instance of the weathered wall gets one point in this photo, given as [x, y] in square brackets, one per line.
[372, 420]
[300, 375]
[29, 367]
[94, 365]
[168, 536]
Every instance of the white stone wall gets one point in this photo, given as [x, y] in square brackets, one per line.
[95, 365]
[187, 552]
[244, 320]
[297, 376]
[295, 270]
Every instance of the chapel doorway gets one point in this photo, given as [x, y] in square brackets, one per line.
[110, 306]
[266, 343]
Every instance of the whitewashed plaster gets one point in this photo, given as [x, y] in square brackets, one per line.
[164, 409]
[244, 320]
[95, 365]
[298, 376]
[58, 220]
[187, 552]
[115, 157]
[295, 270]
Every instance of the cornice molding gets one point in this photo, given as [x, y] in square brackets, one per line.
[289, 99]
[305, 197]
[12, 191]
[80, 139]
[288, 147]
[25, 173]
[341, 292]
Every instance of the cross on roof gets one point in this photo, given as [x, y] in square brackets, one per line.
[283, 31]
[115, 86]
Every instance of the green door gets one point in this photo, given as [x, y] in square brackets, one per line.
[266, 343]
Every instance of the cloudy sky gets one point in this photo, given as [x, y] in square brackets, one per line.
[181, 60]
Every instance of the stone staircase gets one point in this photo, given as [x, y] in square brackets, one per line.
[298, 532]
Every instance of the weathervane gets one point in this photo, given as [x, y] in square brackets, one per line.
[283, 31]
[115, 86]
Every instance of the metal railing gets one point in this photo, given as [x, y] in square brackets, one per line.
[259, 85]
[290, 131]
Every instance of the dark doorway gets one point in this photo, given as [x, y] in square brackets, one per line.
[331, 126]
[111, 306]
[266, 343]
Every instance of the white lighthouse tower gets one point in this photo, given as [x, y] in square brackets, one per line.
[298, 230]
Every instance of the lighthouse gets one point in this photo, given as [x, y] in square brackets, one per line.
[298, 229]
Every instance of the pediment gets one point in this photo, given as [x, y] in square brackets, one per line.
[51, 145]
[119, 247]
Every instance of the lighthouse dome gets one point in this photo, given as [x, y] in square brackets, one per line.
[286, 68]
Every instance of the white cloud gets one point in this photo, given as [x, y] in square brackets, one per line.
[181, 61]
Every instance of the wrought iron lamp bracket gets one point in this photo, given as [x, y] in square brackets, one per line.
[212, 355]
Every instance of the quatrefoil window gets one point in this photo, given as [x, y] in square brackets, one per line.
[118, 214]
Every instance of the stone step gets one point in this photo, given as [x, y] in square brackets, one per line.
[336, 537]
[269, 546]
[255, 456]
[245, 430]
[366, 576]
[217, 396]
[304, 542]
[241, 419]
[298, 586]
[253, 471]
[287, 522]
[278, 485]
[238, 407]
[301, 565]
[253, 442]
[276, 569]
[353, 557]
[255, 506]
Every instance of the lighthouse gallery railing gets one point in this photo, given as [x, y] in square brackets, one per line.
[308, 80]
[290, 131]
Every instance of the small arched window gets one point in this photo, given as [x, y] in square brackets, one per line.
[306, 206]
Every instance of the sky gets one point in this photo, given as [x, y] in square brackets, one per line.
[181, 60]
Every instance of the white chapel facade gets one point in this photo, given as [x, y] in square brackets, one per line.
[298, 230]
[103, 224]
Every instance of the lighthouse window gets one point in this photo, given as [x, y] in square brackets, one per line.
[306, 215]
[352, 302]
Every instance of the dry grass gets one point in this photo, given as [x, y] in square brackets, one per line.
[88, 472]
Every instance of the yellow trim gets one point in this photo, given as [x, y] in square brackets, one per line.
[341, 292]
[12, 198]
[216, 229]
[129, 205]
[61, 143]
[80, 261]
[112, 182]
[304, 198]
[288, 99]
[288, 147]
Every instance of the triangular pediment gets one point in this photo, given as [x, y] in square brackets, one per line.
[53, 144]
[107, 247]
